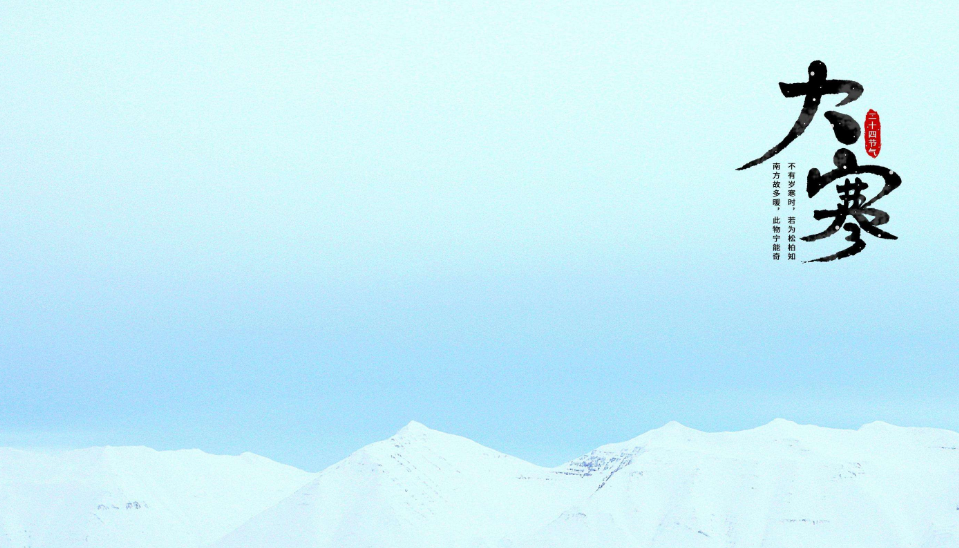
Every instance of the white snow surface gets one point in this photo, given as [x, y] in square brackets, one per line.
[131, 497]
[779, 485]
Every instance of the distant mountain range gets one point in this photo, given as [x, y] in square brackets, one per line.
[779, 485]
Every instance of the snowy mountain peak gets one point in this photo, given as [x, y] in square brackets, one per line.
[781, 424]
[414, 428]
[674, 427]
[671, 432]
[781, 484]
[880, 426]
[418, 443]
[416, 434]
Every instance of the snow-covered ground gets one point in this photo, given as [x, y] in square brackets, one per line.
[126, 497]
[780, 485]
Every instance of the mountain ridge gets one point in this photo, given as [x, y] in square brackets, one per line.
[779, 484]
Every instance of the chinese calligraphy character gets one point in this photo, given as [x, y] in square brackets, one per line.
[853, 204]
[846, 164]
[847, 130]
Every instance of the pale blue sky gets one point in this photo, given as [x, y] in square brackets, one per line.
[292, 227]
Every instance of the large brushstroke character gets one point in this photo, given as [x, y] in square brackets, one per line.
[853, 205]
[846, 165]
[846, 128]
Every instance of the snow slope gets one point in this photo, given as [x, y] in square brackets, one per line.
[418, 488]
[780, 485]
[133, 497]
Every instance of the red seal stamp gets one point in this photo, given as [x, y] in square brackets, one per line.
[873, 133]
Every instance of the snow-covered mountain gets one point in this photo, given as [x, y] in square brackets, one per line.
[780, 485]
[419, 488]
[131, 497]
